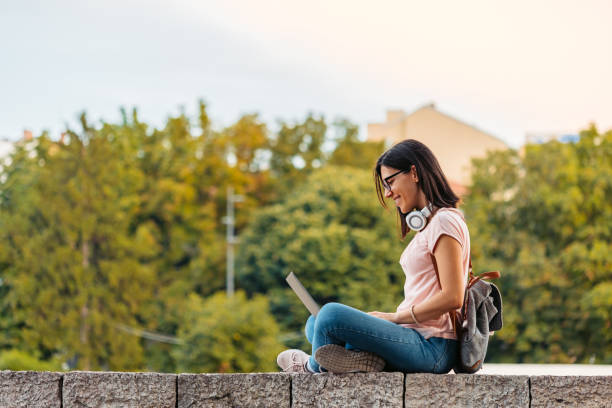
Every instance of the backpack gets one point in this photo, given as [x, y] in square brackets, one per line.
[481, 314]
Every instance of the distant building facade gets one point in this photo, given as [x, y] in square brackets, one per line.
[453, 142]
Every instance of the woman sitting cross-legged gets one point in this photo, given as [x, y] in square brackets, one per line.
[419, 335]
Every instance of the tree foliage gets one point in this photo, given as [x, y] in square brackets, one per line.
[17, 360]
[544, 218]
[227, 335]
[334, 235]
[120, 225]
[350, 151]
[117, 224]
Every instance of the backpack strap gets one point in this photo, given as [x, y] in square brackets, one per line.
[485, 275]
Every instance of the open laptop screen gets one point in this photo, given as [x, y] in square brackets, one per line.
[303, 294]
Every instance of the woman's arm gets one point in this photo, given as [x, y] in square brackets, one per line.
[450, 269]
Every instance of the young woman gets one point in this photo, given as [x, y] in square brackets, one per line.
[419, 335]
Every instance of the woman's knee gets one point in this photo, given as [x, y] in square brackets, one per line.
[330, 313]
[309, 328]
[330, 309]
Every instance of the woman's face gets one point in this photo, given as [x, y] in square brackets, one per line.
[403, 188]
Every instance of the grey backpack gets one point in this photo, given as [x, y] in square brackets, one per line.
[481, 314]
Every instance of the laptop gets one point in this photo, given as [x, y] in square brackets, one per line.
[302, 294]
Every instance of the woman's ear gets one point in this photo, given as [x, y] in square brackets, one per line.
[413, 174]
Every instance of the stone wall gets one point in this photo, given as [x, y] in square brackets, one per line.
[107, 389]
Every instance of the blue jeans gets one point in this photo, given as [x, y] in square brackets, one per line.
[402, 348]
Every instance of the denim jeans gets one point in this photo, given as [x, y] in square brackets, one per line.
[403, 348]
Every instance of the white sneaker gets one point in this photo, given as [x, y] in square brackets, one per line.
[293, 361]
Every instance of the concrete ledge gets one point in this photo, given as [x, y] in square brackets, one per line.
[586, 392]
[347, 390]
[234, 390]
[104, 389]
[465, 390]
[30, 389]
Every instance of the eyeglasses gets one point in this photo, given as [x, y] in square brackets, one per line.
[385, 181]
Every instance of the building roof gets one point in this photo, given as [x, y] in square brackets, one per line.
[454, 142]
[431, 105]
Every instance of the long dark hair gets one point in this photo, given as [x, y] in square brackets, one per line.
[432, 181]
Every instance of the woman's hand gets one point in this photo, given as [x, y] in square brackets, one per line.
[392, 317]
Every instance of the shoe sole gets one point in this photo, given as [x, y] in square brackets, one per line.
[337, 359]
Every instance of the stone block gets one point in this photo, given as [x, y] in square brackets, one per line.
[234, 390]
[466, 390]
[30, 389]
[110, 390]
[347, 390]
[569, 391]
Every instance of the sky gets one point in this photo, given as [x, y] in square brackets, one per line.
[508, 68]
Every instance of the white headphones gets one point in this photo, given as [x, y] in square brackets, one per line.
[417, 220]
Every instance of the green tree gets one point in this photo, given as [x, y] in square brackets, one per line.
[297, 149]
[334, 234]
[17, 360]
[350, 151]
[117, 223]
[71, 267]
[18, 176]
[227, 335]
[544, 218]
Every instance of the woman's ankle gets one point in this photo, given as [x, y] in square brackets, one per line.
[308, 368]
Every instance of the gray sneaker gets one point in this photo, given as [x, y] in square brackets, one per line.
[293, 361]
[337, 359]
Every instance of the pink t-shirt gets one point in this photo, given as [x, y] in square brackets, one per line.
[421, 280]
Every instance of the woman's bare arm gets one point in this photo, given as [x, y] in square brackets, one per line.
[450, 269]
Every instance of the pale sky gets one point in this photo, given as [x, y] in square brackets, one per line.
[506, 67]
